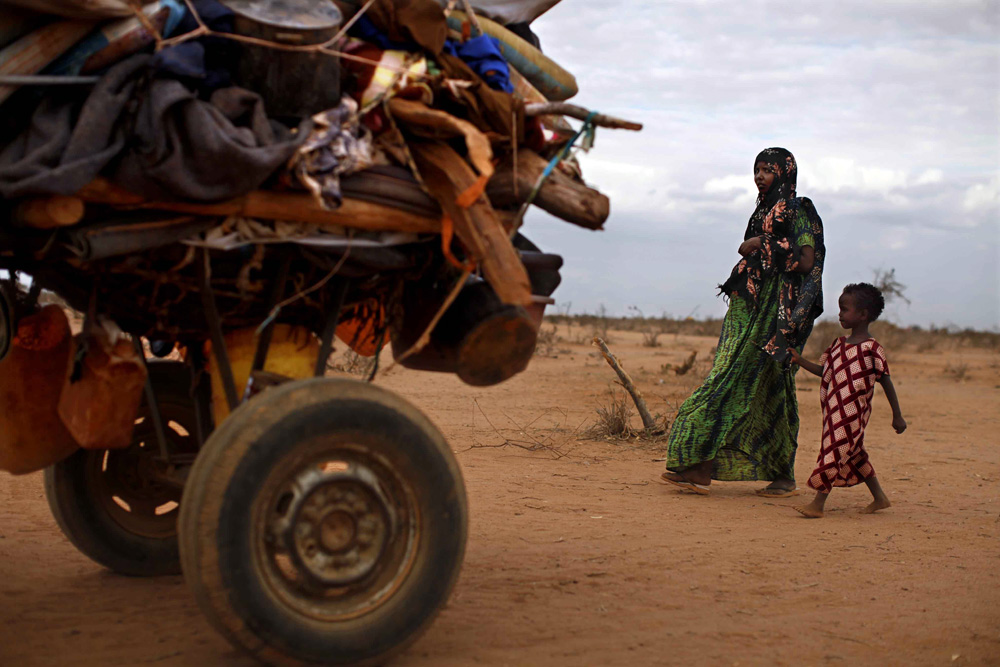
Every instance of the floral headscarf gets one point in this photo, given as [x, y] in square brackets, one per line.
[773, 220]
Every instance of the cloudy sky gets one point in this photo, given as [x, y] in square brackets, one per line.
[892, 109]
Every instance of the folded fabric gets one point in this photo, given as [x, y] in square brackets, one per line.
[207, 63]
[395, 72]
[482, 54]
[337, 145]
[410, 21]
[172, 146]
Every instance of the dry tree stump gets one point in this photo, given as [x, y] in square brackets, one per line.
[640, 403]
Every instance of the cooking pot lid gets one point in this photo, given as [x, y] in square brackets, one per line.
[292, 14]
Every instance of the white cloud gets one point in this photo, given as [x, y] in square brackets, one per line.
[889, 107]
[983, 196]
[929, 177]
[727, 184]
[833, 174]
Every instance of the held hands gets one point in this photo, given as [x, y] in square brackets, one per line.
[749, 246]
[796, 358]
[898, 423]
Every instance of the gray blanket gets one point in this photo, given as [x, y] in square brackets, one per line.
[152, 136]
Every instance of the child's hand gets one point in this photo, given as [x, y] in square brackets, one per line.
[899, 423]
[796, 358]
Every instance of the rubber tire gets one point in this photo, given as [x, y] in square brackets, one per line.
[88, 526]
[216, 549]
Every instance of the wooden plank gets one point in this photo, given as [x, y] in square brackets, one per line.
[268, 205]
[34, 51]
[447, 175]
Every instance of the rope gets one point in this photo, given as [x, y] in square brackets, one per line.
[587, 130]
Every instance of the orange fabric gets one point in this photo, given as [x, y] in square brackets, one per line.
[447, 232]
[362, 326]
[465, 200]
[473, 192]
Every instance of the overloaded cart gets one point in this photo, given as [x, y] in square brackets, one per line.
[221, 189]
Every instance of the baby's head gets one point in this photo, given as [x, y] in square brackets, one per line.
[860, 303]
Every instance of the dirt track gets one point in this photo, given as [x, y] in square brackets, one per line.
[579, 556]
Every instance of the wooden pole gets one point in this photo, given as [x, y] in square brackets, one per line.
[268, 205]
[48, 212]
[574, 111]
[31, 53]
[640, 403]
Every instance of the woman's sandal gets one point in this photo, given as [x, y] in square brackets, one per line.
[700, 489]
[772, 492]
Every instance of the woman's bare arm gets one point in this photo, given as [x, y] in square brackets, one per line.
[808, 260]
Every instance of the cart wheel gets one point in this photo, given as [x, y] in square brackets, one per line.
[108, 502]
[323, 522]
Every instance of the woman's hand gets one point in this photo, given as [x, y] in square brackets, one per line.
[898, 423]
[749, 246]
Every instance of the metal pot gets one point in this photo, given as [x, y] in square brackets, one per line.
[293, 84]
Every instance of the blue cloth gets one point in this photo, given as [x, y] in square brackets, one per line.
[207, 61]
[364, 29]
[483, 55]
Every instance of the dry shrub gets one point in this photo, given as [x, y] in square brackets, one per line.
[649, 328]
[687, 363]
[614, 420]
[548, 340]
[601, 324]
[683, 367]
[957, 372]
[350, 362]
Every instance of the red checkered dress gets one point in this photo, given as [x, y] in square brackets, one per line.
[849, 376]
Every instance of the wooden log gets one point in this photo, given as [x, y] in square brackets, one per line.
[48, 212]
[560, 195]
[31, 53]
[447, 176]
[268, 205]
[574, 111]
[640, 403]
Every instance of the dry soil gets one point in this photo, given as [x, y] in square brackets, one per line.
[578, 555]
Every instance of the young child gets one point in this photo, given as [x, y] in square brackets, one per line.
[849, 369]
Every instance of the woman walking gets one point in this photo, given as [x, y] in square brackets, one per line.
[742, 423]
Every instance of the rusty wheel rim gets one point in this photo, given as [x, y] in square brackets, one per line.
[126, 482]
[334, 531]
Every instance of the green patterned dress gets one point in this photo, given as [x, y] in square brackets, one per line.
[745, 415]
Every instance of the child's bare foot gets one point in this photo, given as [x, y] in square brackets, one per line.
[810, 511]
[876, 505]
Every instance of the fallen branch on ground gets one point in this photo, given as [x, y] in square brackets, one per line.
[640, 403]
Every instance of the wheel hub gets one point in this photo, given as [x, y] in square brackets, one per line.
[337, 525]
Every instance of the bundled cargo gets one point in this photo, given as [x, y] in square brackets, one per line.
[231, 186]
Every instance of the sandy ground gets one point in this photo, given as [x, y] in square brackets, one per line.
[577, 555]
